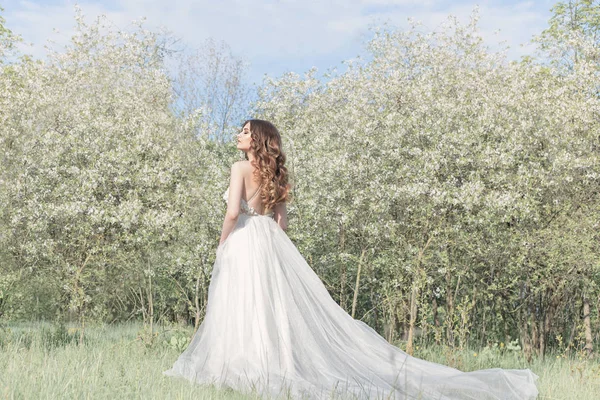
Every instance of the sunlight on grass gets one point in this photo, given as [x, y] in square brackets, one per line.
[41, 360]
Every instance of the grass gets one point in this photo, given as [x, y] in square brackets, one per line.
[44, 361]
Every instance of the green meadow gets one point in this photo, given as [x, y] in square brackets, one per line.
[39, 360]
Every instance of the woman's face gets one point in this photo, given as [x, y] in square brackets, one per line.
[244, 138]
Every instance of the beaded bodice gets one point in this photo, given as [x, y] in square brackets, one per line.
[246, 208]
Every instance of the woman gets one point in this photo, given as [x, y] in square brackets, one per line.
[271, 325]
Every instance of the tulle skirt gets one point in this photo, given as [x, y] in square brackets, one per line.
[272, 328]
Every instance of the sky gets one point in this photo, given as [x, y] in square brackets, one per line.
[278, 36]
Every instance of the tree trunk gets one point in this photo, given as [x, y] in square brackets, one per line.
[484, 324]
[390, 326]
[449, 311]
[80, 293]
[436, 321]
[343, 272]
[150, 308]
[82, 331]
[197, 315]
[589, 346]
[355, 298]
[535, 344]
[524, 330]
[525, 339]
[413, 317]
[542, 336]
[143, 305]
[547, 321]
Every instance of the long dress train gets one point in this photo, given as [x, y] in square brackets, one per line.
[272, 327]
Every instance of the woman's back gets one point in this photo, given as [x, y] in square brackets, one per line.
[250, 193]
[251, 196]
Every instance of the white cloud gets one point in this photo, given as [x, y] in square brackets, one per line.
[282, 35]
[39, 23]
[514, 23]
[426, 3]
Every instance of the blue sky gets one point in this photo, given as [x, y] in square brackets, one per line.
[276, 36]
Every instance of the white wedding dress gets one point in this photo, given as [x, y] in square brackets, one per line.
[272, 327]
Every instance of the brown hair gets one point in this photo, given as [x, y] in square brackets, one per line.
[269, 162]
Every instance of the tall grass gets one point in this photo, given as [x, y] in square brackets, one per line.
[39, 360]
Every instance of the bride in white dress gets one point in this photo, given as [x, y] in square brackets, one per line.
[271, 326]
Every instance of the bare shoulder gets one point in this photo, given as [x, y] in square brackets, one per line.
[243, 167]
[243, 164]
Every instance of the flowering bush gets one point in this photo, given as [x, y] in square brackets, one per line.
[440, 190]
[471, 181]
[101, 179]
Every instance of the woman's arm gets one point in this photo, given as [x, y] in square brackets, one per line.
[280, 215]
[236, 185]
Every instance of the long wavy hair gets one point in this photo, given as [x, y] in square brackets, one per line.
[269, 163]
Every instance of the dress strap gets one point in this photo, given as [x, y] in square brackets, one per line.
[257, 190]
